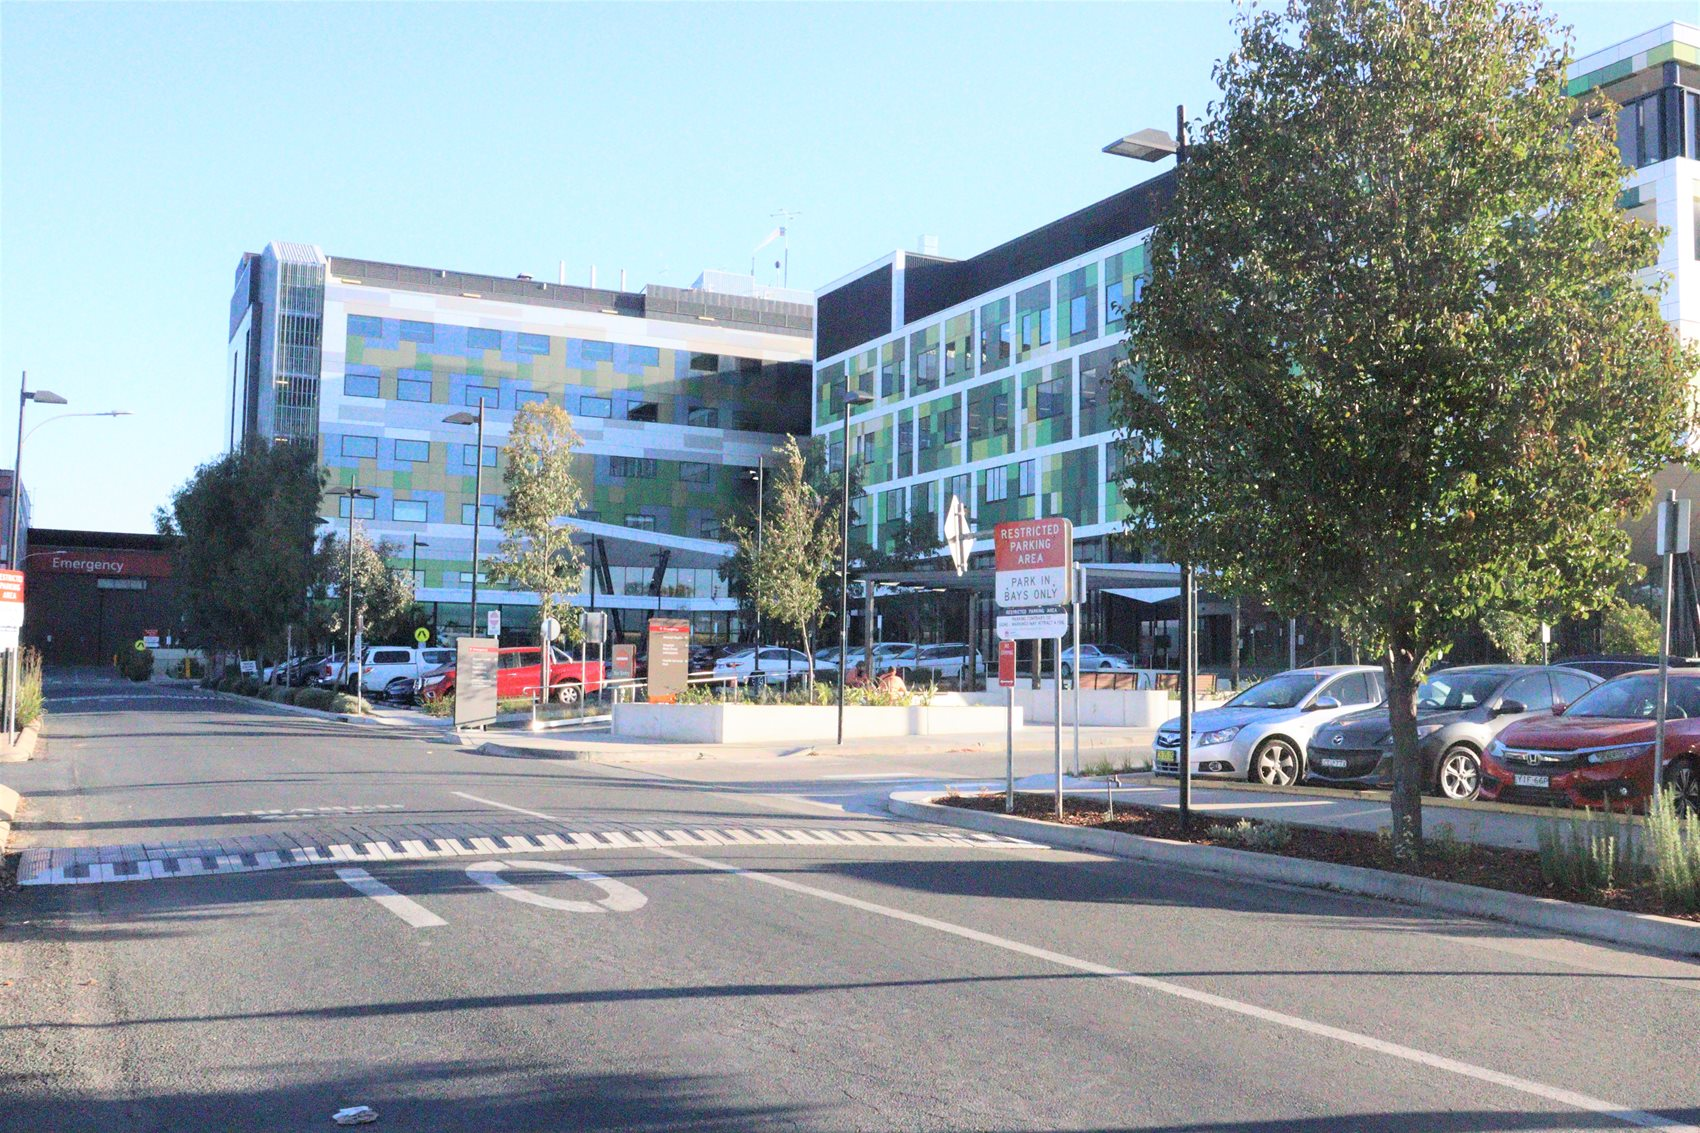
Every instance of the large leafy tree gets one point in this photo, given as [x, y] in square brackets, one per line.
[537, 552]
[245, 559]
[384, 608]
[1399, 362]
[788, 576]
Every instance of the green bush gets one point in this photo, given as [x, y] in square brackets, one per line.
[246, 686]
[442, 706]
[29, 687]
[1266, 836]
[345, 704]
[319, 698]
[1675, 835]
[137, 664]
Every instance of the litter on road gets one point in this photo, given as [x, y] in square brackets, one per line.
[355, 1115]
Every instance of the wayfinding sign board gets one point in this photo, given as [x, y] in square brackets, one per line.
[669, 658]
[475, 682]
[1035, 563]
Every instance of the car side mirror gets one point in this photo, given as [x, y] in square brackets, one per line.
[1510, 708]
[1325, 702]
[1558, 707]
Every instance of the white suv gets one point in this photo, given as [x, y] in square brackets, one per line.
[384, 663]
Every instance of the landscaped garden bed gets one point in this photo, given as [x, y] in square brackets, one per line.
[1591, 859]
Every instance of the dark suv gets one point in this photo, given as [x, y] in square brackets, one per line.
[1459, 711]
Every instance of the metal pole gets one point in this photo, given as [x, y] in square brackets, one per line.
[1009, 750]
[1184, 755]
[1056, 723]
[348, 584]
[761, 523]
[1079, 588]
[477, 509]
[844, 581]
[1292, 643]
[17, 475]
[1669, 504]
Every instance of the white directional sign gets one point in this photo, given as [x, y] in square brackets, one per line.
[1039, 625]
[958, 534]
[1035, 563]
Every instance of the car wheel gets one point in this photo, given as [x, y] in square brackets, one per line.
[1459, 775]
[1276, 763]
[1684, 780]
[567, 694]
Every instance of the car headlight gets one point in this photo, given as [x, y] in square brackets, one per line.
[1219, 736]
[1495, 750]
[1619, 754]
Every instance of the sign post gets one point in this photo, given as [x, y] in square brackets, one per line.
[1006, 681]
[1674, 515]
[11, 621]
[1035, 575]
[1079, 593]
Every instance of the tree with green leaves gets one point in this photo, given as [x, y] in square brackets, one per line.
[1398, 362]
[537, 553]
[788, 578]
[1513, 633]
[1628, 628]
[245, 558]
[384, 608]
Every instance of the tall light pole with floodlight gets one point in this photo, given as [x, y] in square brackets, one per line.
[852, 398]
[465, 418]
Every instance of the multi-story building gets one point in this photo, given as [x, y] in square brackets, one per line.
[988, 374]
[675, 392]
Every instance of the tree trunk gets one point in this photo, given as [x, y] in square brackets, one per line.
[1407, 801]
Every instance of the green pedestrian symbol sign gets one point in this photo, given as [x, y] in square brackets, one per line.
[422, 635]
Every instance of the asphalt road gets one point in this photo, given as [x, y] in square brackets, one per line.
[704, 969]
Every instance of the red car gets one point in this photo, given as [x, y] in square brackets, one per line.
[1600, 750]
[519, 673]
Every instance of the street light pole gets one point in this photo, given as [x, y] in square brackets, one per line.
[761, 502]
[464, 418]
[414, 571]
[851, 400]
[45, 397]
[351, 664]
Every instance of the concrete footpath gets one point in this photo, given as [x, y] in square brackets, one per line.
[1118, 747]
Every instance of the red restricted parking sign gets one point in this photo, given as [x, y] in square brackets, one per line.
[1006, 664]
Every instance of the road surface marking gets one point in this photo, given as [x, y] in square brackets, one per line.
[408, 910]
[1613, 1110]
[618, 897]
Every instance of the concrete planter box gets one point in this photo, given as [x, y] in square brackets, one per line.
[1123, 708]
[767, 723]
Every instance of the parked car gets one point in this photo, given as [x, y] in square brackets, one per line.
[1262, 733]
[775, 662]
[299, 671]
[383, 664]
[1609, 665]
[519, 674]
[329, 671]
[945, 662]
[1599, 751]
[1459, 712]
[1098, 659]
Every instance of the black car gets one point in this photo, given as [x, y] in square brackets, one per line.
[1459, 711]
[1609, 665]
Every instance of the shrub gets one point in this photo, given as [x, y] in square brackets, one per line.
[319, 698]
[1267, 836]
[29, 687]
[137, 664]
[1628, 629]
[442, 706]
[1590, 852]
[1674, 832]
[345, 704]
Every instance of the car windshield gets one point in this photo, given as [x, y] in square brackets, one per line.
[1284, 691]
[1115, 651]
[1636, 698]
[1457, 690]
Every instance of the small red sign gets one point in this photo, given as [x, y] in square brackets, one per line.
[1006, 664]
[12, 586]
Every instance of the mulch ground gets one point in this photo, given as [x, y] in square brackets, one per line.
[1444, 859]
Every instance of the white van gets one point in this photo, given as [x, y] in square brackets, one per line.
[384, 663]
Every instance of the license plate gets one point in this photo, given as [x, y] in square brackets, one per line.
[1541, 781]
[1332, 762]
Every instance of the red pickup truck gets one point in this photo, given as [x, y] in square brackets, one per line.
[519, 674]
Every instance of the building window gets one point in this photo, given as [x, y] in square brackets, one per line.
[409, 511]
[465, 577]
[703, 417]
[693, 472]
[480, 338]
[644, 411]
[865, 448]
[632, 467]
[994, 336]
[708, 527]
[413, 385]
[988, 411]
[359, 446]
[1029, 478]
[365, 326]
[592, 351]
[532, 343]
[1033, 313]
[360, 384]
[1051, 399]
[891, 369]
[649, 356]
[363, 508]
[416, 452]
[927, 370]
[1077, 321]
[595, 407]
[469, 453]
[476, 394]
[997, 484]
[529, 397]
[641, 522]
[960, 486]
[705, 363]
[486, 515]
[417, 332]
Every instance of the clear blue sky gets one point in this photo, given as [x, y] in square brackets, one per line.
[144, 147]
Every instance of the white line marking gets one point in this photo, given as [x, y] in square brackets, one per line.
[618, 896]
[1570, 1098]
[407, 909]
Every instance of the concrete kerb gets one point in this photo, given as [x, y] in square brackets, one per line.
[296, 709]
[1362, 794]
[8, 811]
[24, 749]
[1639, 930]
